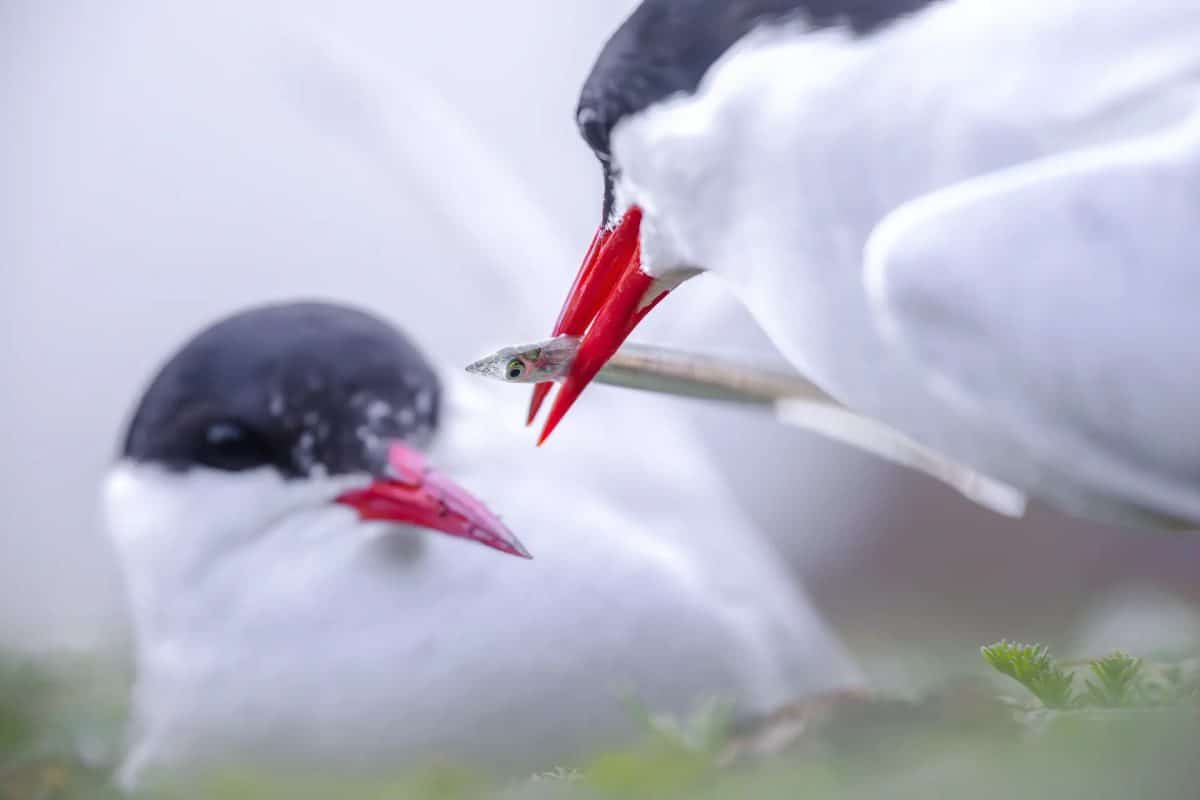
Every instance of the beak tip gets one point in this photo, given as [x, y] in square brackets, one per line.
[510, 544]
[540, 390]
[548, 428]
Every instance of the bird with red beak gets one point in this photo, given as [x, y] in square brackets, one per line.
[846, 168]
[662, 51]
[307, 590]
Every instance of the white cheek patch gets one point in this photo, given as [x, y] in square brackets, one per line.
[682, 159]
[149, 509]
[179, 536]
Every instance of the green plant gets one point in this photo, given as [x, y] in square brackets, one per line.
[1118, 684]
[1031, 666]
[1171, 688]
[704, 731]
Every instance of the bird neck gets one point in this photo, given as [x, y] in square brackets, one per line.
[191, 544]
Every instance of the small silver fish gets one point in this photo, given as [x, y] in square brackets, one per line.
[649, 368]
[547, 360]
[788, 396]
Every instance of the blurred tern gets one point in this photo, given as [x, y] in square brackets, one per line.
[269, 511]
[970, 221]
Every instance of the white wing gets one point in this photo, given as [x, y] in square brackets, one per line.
[830, 419]
[1057, 301]
[581, 497]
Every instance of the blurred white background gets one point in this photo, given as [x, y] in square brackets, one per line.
[162, 165]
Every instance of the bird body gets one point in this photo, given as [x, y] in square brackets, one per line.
[810, 169]
[278, 629]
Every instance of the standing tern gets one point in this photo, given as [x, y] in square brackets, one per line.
[269, 510]
[970, 221]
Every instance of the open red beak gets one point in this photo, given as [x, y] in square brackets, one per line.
[413, 493]
[610, 296]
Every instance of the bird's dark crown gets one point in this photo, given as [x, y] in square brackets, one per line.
[301, 387]
[666, 46]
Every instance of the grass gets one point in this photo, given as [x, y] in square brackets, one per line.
[1117, 727]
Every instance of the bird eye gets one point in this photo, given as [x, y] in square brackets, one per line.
[231, 447]
[515, 369]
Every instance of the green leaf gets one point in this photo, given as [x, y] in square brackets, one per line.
[1032, 667]
[1117, 682]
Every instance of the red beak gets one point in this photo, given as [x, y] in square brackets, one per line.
[610, 296]
[413, 493]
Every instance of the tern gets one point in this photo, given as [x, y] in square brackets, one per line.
[280, 508]
[973, 222]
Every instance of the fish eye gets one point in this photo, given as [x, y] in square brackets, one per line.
[515, 369]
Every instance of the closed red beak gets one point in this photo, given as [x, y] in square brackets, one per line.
[610, 296]
[413, 493]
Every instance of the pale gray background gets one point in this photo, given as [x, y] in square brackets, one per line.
[160, 167]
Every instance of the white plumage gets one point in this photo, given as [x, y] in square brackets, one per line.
[275, 630]
[975, 225]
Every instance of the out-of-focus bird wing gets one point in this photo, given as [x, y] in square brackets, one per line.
[1057, 300]
[788, 396]
[835, 421]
